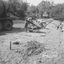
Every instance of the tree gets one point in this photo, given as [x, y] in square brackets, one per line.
[31, 9]
[45, 6]
[58, 12]
[19, 8]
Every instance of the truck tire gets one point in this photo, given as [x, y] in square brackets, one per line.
[1, 26]
[8, 25]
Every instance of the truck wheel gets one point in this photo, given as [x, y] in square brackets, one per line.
[8, 25]
[1, 26]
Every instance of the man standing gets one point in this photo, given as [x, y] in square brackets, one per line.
[28, 20]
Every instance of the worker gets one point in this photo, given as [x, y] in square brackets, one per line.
[28, 20]
[61, 26]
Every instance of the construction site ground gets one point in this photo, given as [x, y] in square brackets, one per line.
[51, 38]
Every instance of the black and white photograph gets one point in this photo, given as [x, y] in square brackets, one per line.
[31, 31]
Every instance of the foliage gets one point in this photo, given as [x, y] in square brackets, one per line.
[55, 11]
[45, 6]
[19, 8]
[32, 11]
[58, 12]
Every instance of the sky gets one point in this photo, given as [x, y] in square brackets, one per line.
[36, 2]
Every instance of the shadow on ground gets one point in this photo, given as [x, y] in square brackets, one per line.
[14, 30]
